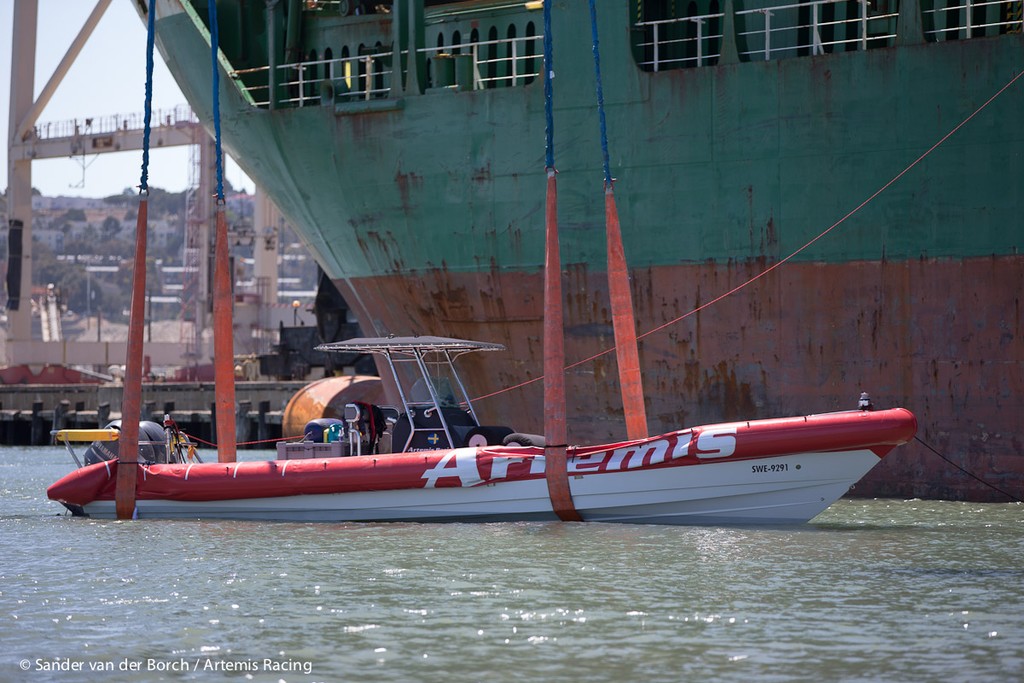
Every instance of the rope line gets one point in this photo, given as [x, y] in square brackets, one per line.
[969, 474]
[549, 74]
[600, 96]
[788, 258]
[150, 31]
[211, 444]
[214, 48]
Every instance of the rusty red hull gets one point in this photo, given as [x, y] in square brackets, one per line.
[941, 337]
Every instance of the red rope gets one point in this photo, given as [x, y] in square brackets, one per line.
[624, 324]
[555, 469]
[778, 264]
[240, 443]
[223, 339]
[131, 401]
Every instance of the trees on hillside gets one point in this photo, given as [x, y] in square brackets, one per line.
[104, 243]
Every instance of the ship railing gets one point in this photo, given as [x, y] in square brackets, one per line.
[972, 19]
[302, 84]
[479, 65]
[681, 42]
[787, 31]
[778, 31]
[363, 77]
[258, 95]
[483, 64]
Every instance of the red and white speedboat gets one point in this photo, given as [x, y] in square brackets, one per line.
[449, 468]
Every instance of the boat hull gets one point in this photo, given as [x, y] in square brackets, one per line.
[730, 496]
[767, 472]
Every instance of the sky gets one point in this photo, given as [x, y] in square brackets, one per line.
[108, 78]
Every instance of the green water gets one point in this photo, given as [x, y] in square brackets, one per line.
[880, 590]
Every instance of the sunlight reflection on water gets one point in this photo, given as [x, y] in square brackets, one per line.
[871, 590]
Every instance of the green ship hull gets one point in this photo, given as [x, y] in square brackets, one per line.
[419, 182]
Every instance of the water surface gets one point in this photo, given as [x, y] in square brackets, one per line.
[876, 590]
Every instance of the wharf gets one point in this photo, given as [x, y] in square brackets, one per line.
[28, 412]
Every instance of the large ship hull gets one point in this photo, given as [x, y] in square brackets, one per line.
[426, 209]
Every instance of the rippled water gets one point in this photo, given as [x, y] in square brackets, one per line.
[870, 591]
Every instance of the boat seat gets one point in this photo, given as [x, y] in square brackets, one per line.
[517, 439]
[487, 435]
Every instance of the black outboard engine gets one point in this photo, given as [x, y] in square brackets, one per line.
[152, 444]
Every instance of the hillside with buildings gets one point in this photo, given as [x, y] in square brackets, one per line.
[82, 265]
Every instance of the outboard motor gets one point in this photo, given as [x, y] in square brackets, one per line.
[151, 444]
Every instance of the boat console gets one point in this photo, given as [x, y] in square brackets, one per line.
[435, 411]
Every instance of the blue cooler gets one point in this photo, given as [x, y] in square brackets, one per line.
[323, 430]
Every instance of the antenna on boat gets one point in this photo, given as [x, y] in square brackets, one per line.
[555, 432]
[131, 397]
[623, 319]
[223, 332]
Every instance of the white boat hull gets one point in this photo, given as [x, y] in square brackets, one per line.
[781, 490]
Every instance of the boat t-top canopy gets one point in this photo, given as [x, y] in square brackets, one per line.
[409, 345]
[435, 387]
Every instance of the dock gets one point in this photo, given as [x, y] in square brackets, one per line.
[28, 412]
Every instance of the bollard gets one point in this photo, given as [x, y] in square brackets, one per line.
[37, 438]
[60, 415]
[242, 409]
[261, 421]
[103, 414]
[213, 422]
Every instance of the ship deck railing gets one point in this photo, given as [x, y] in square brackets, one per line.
[812, 28]
[821, 34]
[504, 62]
[972, 19]
[791, 29]
[699, 45]
[479, 65]
[774, 32]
